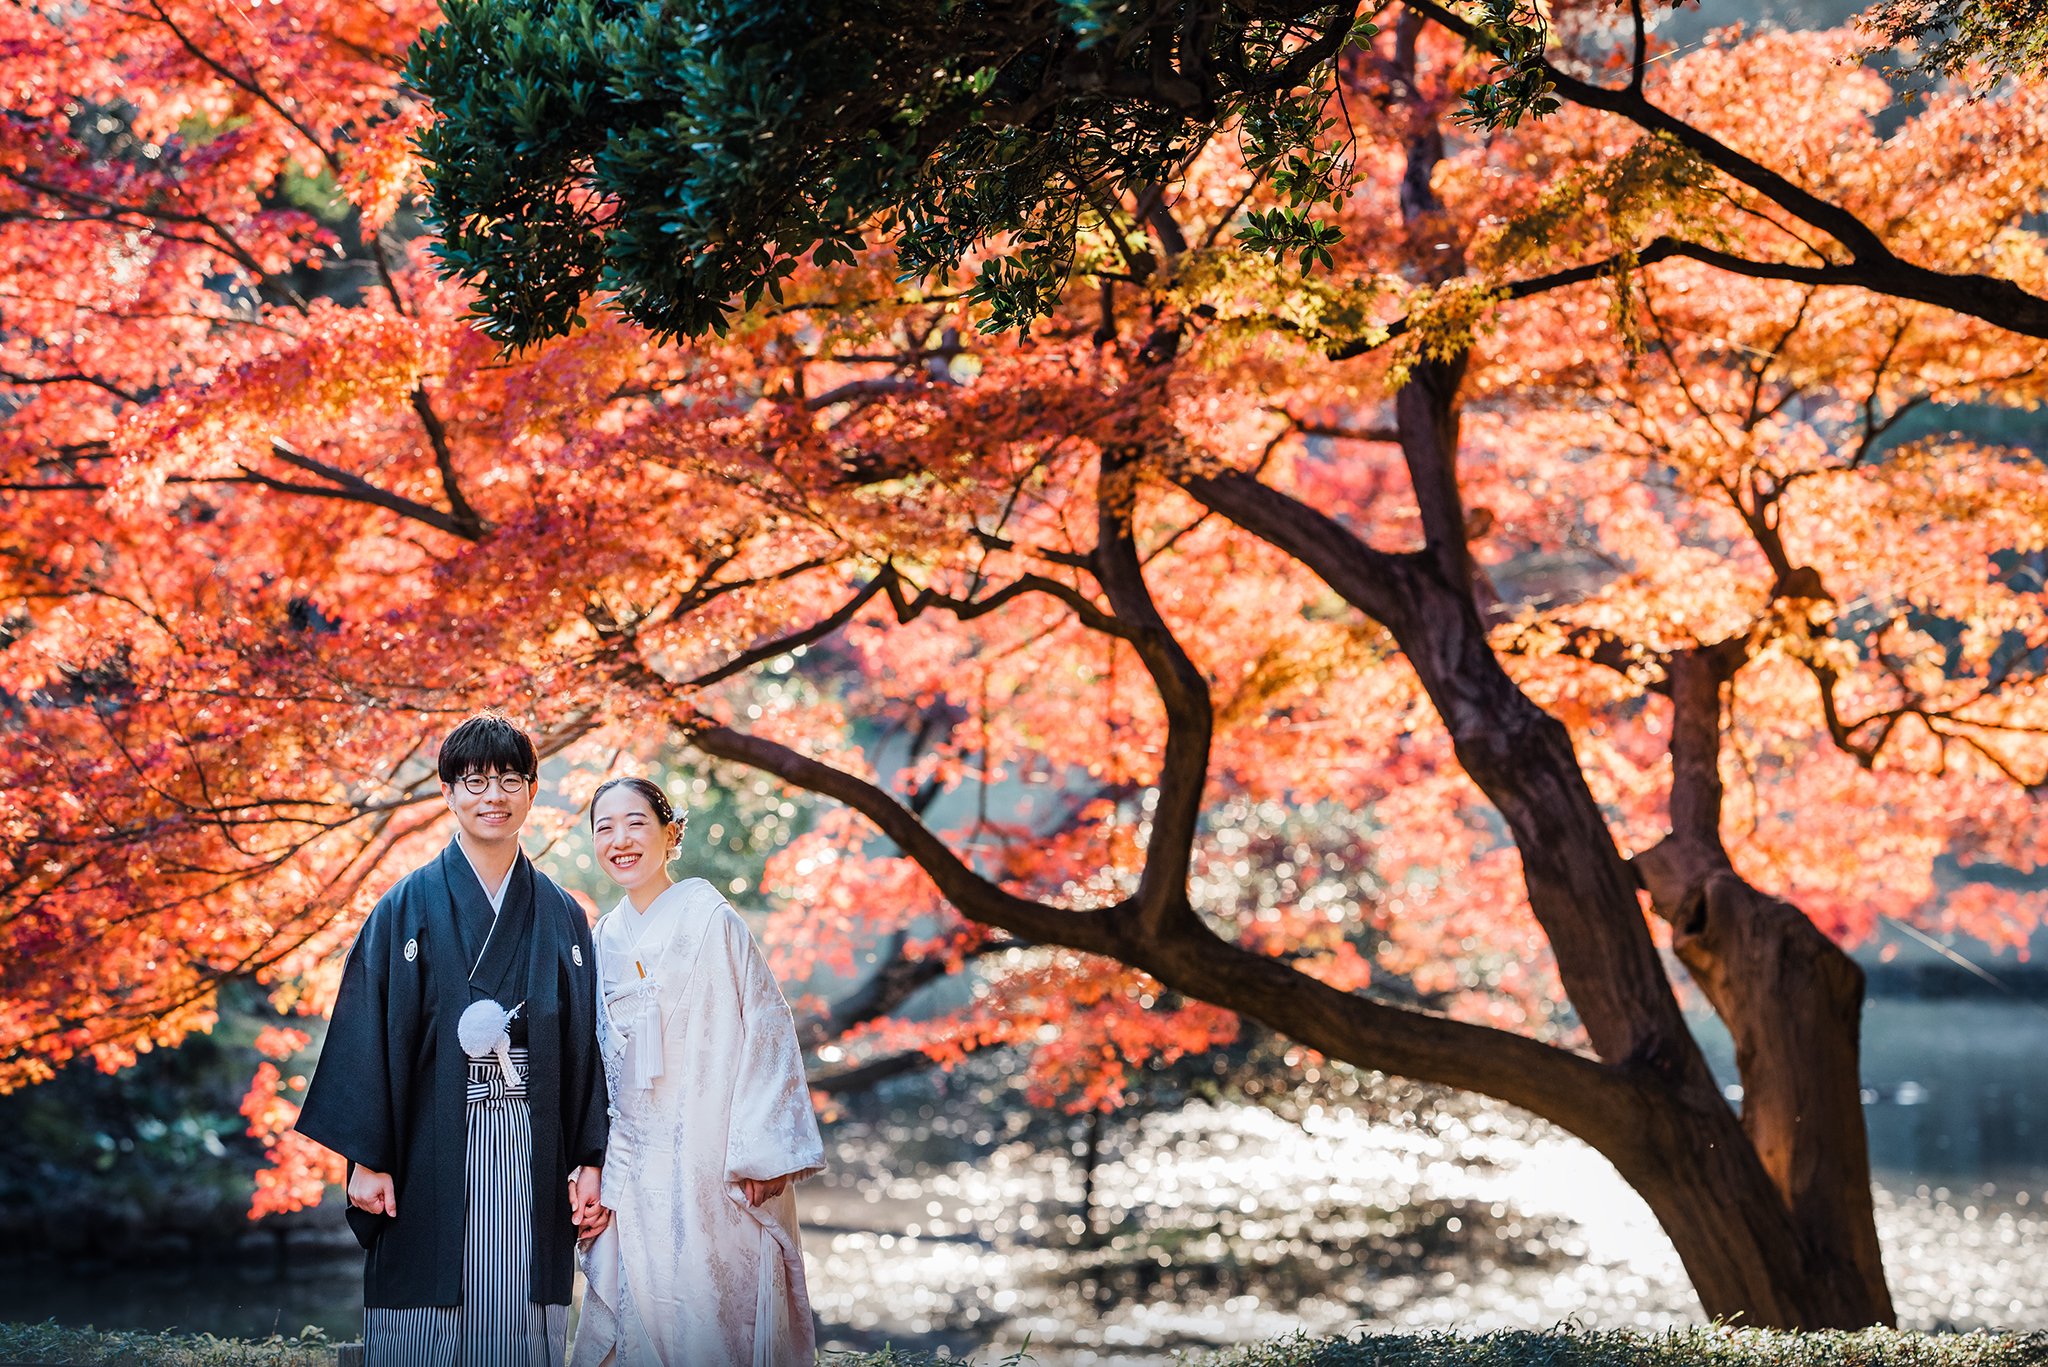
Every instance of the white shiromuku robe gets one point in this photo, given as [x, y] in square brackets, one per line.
[707, 1087]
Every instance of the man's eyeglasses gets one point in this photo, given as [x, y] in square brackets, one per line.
[511, 785]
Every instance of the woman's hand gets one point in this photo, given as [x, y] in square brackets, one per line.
[759, 1189]
[588, 1229]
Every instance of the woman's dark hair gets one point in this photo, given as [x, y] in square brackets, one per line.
[657, 800]
[487, 744]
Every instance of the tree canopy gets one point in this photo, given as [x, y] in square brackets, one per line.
[1369, 646]
[1969, 39]
[679, 161]
[680, 157]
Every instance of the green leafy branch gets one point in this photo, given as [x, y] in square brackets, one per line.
[1516, 86]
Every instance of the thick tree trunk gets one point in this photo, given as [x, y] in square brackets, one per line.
[1790, 997]
[1793, 1001]
[1770, 1214]
[1681, 1148]
[1710, 1187]
[1797, 1250]
[1747, 1256]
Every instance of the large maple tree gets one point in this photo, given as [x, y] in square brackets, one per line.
[1374, 647]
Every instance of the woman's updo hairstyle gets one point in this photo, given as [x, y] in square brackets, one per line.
[657, 801]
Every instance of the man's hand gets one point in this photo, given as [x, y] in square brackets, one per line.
[763, 1189]
[586, 1194]
[373, 1191]
[586, 1204]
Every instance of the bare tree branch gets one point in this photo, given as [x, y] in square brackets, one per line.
[1577, 1092]
[1162, 898]
[353, 488]
[975, 896]
[444, 461]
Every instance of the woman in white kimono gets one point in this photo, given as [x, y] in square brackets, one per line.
[699, 1265]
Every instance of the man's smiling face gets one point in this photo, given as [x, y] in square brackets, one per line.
[495, 814]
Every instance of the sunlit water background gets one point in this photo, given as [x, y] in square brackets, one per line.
[946, 1224]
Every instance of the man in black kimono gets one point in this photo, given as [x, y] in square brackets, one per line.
[460, 1079]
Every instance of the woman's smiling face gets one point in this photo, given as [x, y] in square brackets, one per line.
[631, 842]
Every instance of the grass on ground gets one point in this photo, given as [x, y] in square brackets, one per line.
[51, 1343]
[1703, 1347]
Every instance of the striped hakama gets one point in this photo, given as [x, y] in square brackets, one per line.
[497, 1324]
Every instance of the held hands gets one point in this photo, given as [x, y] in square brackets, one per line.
[587, 1208]
[373, 1191]
[586, 1204]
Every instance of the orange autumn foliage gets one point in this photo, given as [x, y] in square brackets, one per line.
[275, 516]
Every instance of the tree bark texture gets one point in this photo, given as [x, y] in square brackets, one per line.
[1790, 997]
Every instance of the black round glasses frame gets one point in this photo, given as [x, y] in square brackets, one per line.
[511, 785]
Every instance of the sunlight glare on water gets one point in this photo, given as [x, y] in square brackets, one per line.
[1220, 1224]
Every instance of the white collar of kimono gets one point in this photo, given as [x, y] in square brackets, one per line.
[673, 898]
[495, 897]
[626, 930]
[644, 1029]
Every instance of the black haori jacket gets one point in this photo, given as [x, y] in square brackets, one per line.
[389, 1092]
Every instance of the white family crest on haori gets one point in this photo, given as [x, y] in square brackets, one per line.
[707, 1090]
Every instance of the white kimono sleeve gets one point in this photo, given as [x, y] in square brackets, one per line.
[773, 1129]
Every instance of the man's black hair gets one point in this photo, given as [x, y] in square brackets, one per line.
[487, 744]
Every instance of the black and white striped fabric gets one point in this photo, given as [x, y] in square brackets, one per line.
[496, 1325]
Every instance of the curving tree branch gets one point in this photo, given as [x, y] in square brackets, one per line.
[338, 483]
[1162, 899]
[1871, 264]
[1579, 1093]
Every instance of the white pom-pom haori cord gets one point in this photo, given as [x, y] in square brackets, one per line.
[486, 1029]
